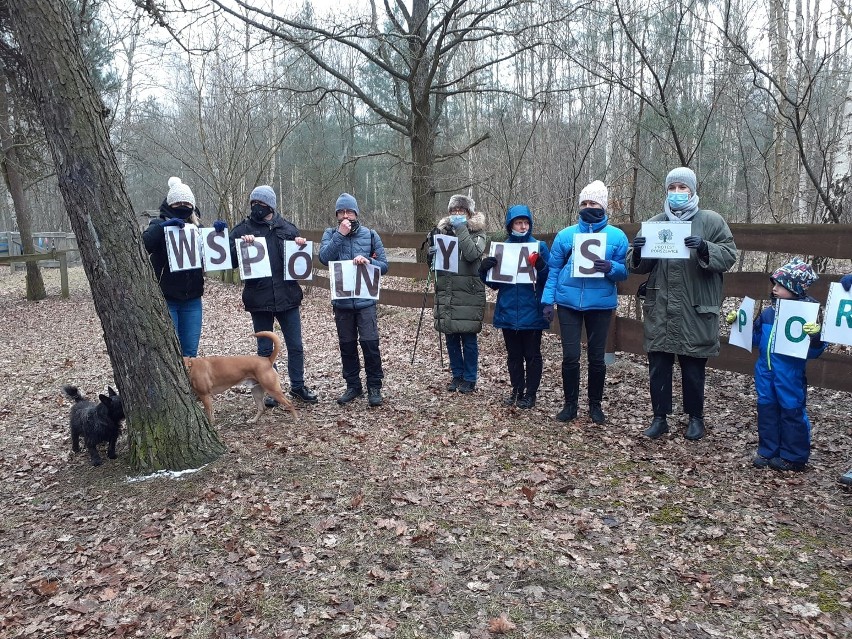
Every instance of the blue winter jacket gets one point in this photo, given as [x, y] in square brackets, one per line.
[335, 247]
[519, 305]
[780, 378]
[585, 293]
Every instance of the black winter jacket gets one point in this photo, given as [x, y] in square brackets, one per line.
[179, 286]
[269, 294]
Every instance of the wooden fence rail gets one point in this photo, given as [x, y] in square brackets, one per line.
[832, 370]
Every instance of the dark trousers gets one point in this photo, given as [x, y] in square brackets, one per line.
[660, 366]
[523, 350]
[291, 328]
[571, 324]
[354, 326]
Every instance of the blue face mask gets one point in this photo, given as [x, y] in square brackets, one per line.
[519, 233]
[677, 200]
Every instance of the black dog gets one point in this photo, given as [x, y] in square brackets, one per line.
[96, 423]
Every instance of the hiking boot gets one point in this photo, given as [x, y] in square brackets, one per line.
[759, 461]
[846, 478]
[453, 386]
[527, 401]
[695, 428]
[350, 394]
[374, 396]
[568, 412]
[596, 414]
[658, 428]
[305, 394]
[467, 387]
[270, 402]
[776, 463]
[513, 397]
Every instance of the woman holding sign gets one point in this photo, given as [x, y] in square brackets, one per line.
[684, 293]
[275, 297]
[182, 289]
[586, 262]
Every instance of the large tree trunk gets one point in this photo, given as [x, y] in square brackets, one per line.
[15, 184]
[166, 427]
[422, 129]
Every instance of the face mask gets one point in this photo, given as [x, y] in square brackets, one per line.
[677, 200]
[355, 226]
[259, 212]
[592, 216]
[519, 233]
[183, 212]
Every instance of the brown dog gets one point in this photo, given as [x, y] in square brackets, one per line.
[212, 375]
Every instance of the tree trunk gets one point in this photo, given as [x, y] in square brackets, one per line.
[422, 129]
[166, 427]
[15, 184]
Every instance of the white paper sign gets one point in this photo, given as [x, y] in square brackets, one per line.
[350, 280]
[742, 328]
[253, 259]
[183, 247]
[447, 256]
[664, 240]
[215, 250]
[837, 322]
[298, 263]
[588, 247]
[790, 337]
[513, 263]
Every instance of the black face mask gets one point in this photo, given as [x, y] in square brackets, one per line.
[259, 212]
[592, 216]
[355, 226]
[183, 212]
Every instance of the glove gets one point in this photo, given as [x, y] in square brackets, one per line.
[731, 317]
[220, 225]
[693, 242]
[487, 264]
[811, 328]
[846, 282]
[603, 266]
[639, 242]
[175, 221]
[547, 312]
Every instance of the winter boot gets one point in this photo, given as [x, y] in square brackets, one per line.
[658, 427]
[596, 414]
[513, 397]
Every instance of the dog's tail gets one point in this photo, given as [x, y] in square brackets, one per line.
[73, 393]
[276, 343]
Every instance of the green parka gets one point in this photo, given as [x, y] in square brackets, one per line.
[460, 297]
[683, 298]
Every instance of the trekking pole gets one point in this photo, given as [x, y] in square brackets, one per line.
[422, 311]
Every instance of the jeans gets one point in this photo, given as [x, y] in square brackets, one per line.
[571, 324]
[353, 326]
[291, 328]
[692, 369]
[186, 316]
[524, 348]
[463, 350]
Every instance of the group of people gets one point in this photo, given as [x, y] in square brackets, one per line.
[682, 301]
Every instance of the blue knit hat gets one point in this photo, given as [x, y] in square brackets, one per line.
[346, 202]
[265, 195]
[796, 276]
[684, 175]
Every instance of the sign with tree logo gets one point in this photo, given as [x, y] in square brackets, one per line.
[664, 240]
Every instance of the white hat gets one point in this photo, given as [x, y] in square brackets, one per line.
[179, 192]
[594, 192]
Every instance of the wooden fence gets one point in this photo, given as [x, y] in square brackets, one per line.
[832, 370]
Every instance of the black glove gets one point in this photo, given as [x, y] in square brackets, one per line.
[175, 221]
[693, 242]
[639, 242]
[220, 225]
[603, 266]
[547, 312]
[487, 264]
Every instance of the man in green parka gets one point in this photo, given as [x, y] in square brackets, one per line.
[682, 302]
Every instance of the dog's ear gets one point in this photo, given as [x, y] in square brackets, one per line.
[111, 391]
[105, 399]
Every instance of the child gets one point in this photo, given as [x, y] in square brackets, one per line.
[783, 427]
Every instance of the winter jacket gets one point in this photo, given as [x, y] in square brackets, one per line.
[180, 285]
[519, 305]
[684, 295]
[780, 378]
[460, 297]
[585, 293]
[335, 247]
[269, 294]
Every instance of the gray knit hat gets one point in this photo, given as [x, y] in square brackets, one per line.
[265, 195]
[684, 175]
[346, 202]
[462, 201]
[179, 192]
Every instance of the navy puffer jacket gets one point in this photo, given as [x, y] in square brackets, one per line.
[335, 247]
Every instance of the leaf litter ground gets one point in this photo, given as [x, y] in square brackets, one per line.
[435, 515]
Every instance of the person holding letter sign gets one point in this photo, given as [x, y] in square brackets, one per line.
[271, 298]
[460, 297]
[846, 283]
[518, 311]
[682, 304]
[783, 427]
[356, 318]
[588, 301]
[182, 289]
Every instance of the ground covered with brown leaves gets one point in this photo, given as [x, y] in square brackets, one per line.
[437, 515]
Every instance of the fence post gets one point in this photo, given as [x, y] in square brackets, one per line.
[63, 274]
